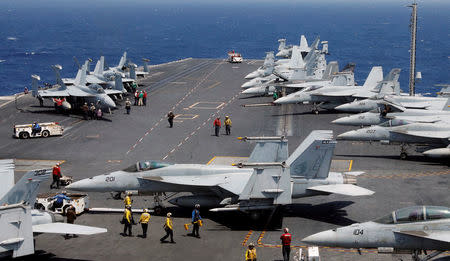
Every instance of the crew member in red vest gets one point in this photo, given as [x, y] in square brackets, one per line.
[286, 244]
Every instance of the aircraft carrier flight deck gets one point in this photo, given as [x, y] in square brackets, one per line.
[197, 91]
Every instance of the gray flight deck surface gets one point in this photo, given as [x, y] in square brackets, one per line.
[197, 90]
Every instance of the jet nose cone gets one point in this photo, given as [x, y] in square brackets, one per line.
[110, 103]
[252, 90]
[283, 100]
[247, 85]
[349, 135]
[345, 107]
[252, 75]
[327, 238]
[343, 121]
[82, 185]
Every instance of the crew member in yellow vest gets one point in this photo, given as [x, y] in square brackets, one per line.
[145, 218]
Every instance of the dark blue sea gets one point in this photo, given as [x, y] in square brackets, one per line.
[37, 34]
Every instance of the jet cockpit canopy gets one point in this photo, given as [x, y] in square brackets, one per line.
[415, 214]
[146, 165]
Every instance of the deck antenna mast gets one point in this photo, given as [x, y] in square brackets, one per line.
[412, 60]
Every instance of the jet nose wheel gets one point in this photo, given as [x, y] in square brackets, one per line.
[403, 156]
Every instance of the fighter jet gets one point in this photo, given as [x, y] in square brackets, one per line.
[106, 81]
[414, 229]
[395, 115]
[314, 68]
[92, 94]
[269, 179]
[19, 221]
[430, 135]
[330, 97]
[297, 81]
[409, 102]
[265, 70]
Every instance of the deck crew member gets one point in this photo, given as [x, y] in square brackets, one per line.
[71, 216]
[196, 220]
[217, 125]
[56, 173]
[127, 221]
[286, 244]
[145, 217]
[60, 200]
[170, 118]
[227, 123]
[35, 128]
[127, 200]
[250, 254]
[168, 227]
[128, 105]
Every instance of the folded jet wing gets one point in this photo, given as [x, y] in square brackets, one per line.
[425, 235]
[343, 189]
[426, 133]
[65, 228]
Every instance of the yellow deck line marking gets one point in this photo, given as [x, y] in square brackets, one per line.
[211, 160]
[214, 85]
[350, 166]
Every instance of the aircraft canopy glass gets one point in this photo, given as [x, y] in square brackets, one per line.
[415, 214]
[146, 165]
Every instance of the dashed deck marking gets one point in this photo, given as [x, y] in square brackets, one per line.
[214, 85]
[406, 175]
[205, 105]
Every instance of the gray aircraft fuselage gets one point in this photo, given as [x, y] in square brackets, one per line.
[405, 233]
[129, 181]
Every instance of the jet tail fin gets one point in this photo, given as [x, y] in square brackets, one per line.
[303, 44]
[26, 188]
[133, 71]
[269, 60]
[34, 85]
[59, 81]
[296, 58]
[99, 66]
[87, 64]
[80, 79]
[312, 158]
[331, 69]
[390, 84]
[118, 84]
[122, 61]
[6, 176]
[375, 76]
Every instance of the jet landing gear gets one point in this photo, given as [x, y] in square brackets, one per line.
[403, 151]
[416, 255]
[315, 107]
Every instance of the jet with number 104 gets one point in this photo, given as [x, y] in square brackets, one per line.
[269, 179]
[407, 230]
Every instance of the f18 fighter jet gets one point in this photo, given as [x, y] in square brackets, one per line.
[269, 179]
[415, 229]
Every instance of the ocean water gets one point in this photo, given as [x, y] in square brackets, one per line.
[37, 34]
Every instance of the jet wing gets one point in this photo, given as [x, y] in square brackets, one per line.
[64, 228]
[423, 119]
[233, 183]
[436, 235]
[336, 94]
[127, 80]
[416, 105]
[55, 93]
[343, 189]
[112, 92]
[426, 134]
